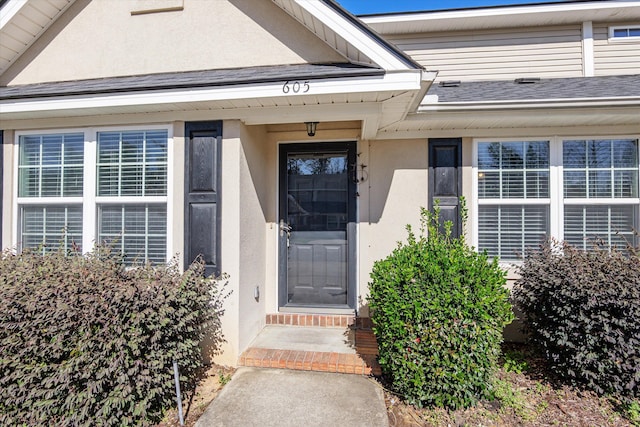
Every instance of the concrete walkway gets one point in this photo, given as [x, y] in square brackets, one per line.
[287, 398]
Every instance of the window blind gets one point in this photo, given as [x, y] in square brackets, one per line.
[507, 231]
[132, 163]
[584, 225]
[138, 231]
[51, 227]
[51, 165]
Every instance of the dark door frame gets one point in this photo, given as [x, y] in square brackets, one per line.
[321, 147]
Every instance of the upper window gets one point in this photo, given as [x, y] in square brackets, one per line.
[132, 163]
[513, 170]
[605, 168]
[595, 197]
[61, 203]
[51, 165]
[621, 33]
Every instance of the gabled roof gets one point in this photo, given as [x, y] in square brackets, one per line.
[377, 84]
[23, 21]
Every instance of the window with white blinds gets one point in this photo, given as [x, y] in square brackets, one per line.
[513, 196]
[51, 168]
[50, 227]
[132, 163]
[51, 165]
[600, 179]
[574, 189]
[138, 231]
[77, 188]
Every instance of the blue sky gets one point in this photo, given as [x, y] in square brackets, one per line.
[359, 7]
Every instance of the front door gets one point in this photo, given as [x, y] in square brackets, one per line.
[317, 225]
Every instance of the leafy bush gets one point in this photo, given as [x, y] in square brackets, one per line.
[438, 309]
[583, 311]
[84, 341]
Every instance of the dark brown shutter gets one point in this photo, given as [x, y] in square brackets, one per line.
[203, 142]
[445, 157]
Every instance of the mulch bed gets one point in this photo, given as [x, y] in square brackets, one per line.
[194, 404]
[538, 402]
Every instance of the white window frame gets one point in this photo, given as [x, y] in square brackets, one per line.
[614, 39]
[600, 201]
[90, 200]
[556, 200]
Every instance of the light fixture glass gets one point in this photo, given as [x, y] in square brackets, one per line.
[311, 128]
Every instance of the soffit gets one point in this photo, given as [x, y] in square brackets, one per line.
[504, 17]
[22, 22]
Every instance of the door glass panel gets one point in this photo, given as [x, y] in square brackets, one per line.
[317, 211]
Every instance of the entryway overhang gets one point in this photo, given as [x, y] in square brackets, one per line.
[259, 95]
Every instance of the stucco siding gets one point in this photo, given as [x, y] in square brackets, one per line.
[107, 41]
[498, 54]
[253, 191]
[8, 185]
[613, 57]
[390, 198]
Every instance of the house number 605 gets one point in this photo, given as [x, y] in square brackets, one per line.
[296, 87]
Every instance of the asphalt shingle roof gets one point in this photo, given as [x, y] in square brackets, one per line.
[190, 79]
[566, 88]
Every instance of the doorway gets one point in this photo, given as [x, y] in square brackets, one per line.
[317, 225]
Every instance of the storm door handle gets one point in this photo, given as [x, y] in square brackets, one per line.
[284, 228]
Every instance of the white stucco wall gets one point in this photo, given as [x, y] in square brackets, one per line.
[243, 239]
[253, 191]
[390, 198]
[7, 188]
[102, 38]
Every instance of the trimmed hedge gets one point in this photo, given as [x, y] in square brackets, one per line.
[85, 341]
[582, 310]
[439, 309]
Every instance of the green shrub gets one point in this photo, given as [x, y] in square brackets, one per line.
[85, 341]
[583, 311]
[438, 309]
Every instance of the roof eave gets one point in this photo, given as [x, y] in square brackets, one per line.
[632, 101]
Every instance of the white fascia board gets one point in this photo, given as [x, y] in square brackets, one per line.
[528, 104]
[389, 82]
[9, 10]
[352, 34]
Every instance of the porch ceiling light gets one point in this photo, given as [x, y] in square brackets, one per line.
[311, 128]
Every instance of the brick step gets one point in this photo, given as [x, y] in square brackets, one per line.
[319, 320]
[360, 364]
[365, 342]
[335, 343]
